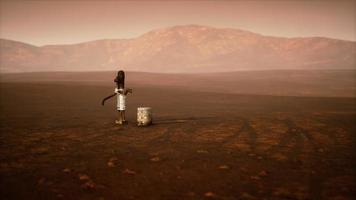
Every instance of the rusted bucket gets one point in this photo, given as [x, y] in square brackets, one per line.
[144, 116]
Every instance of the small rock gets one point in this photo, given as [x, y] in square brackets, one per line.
[279, 157]
[112, 161]
[155, 159]
[111, 164]
[224, 167]
[202, 151]
[127, 171]
[209, 194]
[251, 154]
[83, 177]
[67, 170]
[89, 185]
[263, 173]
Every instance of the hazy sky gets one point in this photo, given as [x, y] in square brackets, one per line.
[72, 21]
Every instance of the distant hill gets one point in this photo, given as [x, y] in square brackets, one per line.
[183, 49]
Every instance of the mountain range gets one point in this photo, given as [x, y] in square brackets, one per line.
[182, 49]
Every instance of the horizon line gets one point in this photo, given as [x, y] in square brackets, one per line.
[179, 73]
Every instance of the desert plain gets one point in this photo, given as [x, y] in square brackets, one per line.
[241, 135]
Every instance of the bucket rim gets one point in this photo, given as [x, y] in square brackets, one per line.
[144, 108]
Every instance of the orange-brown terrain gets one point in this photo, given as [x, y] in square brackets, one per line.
[294, 141]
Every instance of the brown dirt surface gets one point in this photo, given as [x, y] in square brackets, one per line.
[58, 142]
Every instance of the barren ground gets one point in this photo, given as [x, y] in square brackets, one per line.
[58, 142]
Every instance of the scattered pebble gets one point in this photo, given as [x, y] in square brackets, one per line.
[67, 170]
[127, 171]
[83, 177]
[112, 162]
[263, 173]
[155, 159]
[224, 167]
[202, 151]
[279, 157]
[89, 185]
[209, 194]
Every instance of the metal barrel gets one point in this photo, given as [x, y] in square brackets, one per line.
[144, 116]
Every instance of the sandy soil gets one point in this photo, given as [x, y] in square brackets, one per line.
[58, 142]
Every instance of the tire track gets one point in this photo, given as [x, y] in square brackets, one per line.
[295, 134]
[245, 128]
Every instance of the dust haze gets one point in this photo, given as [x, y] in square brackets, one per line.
[250, 100]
